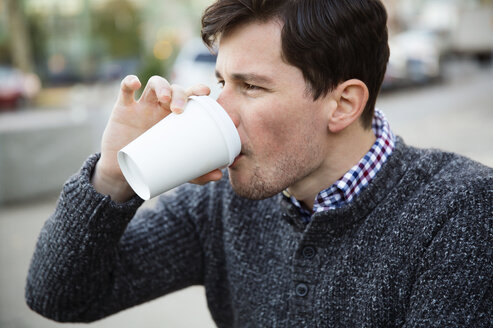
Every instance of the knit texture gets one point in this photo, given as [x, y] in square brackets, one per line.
[414, 249]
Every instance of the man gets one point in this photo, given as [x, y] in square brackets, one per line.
[325, 219]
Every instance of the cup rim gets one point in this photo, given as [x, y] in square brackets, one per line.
[133, 175]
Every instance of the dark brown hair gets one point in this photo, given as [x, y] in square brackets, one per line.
[330, 41]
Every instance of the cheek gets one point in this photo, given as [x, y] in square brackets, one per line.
[281, 127]
[268, 131]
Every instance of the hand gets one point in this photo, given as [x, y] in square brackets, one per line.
[129, 119]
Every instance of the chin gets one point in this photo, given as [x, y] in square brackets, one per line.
[252, 187]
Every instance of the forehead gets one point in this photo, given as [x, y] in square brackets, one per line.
[253, 46]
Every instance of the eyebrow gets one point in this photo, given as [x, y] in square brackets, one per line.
[250, 77]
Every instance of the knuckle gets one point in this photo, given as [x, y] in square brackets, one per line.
[157, 80]
[153, 79]
[124, 82]
[177, 87]
[198, 89]
[127, 80]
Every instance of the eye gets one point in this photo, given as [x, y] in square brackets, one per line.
[220, 83]
[251, 87]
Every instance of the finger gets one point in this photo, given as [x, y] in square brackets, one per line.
[178, 99]
[129, 85]
[198, 90]
[209, 177]
[157, 90]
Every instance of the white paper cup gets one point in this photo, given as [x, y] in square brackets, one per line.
[179, 148]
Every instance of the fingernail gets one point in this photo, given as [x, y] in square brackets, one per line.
[165, 95]
[178, 104]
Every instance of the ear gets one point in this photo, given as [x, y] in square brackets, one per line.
[351, 97]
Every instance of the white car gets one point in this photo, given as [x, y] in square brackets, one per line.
[415, 58]
[16, 87]
[195, 64]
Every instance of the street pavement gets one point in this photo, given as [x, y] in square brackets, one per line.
[455, 115]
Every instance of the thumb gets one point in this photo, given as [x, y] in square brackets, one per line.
[208, 177]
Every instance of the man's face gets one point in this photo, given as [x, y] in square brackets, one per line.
[282, 130]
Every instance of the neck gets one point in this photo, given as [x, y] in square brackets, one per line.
[345, 149]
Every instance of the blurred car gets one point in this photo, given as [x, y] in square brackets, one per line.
[195, 64]
[415, 58]
[16, 86]
[467, 26]
[117, 69]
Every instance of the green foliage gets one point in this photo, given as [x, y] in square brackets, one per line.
[117, 24]
[39, 37]
[150, 67]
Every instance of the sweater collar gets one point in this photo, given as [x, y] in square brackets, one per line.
[348, 186]
[378, 189]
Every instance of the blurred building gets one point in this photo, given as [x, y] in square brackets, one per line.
[84, 40]
[405, 14]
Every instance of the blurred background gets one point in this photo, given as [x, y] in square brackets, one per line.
[61, 62]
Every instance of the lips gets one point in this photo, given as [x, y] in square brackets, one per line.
[236, 160]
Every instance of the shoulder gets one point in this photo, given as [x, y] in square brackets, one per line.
[464, 176]
[438, 186]
[449, 169]
[450, 199]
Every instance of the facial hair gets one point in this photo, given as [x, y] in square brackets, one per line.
[265, 182]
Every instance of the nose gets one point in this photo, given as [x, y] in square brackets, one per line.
[227, 102]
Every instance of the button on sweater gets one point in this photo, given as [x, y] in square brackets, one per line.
[414, 249]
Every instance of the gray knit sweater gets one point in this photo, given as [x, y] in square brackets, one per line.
[414, 249]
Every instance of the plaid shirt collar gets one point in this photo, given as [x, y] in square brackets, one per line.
[358, 177]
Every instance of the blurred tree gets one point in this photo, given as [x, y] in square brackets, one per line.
[20, 43]
[37, 30]
[149, 66]
[4, 47]
[117, 23]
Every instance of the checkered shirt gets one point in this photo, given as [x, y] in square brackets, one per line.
[358, 177]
